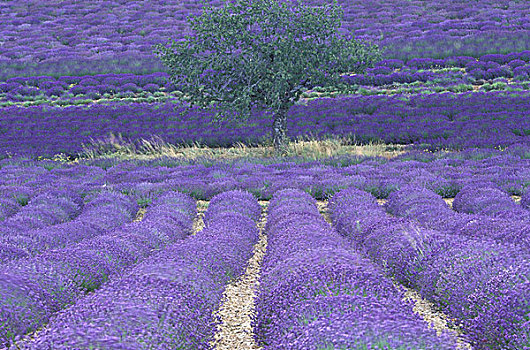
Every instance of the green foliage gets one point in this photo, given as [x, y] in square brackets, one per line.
[261, 53]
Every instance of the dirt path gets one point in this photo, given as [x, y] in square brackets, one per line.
[436, 319]
[198, 222]
[237, 307]
[449, 202]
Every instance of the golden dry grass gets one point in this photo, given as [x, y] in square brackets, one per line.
[116, 146]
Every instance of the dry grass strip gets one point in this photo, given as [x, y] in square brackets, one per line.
[237, 306]
[313, 149]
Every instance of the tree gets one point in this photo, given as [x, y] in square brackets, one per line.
[264, 54]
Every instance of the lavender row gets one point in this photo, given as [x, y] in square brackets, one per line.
[446, 121]
[315, 292]
[384, 73]
[485, 71]
[46, 209]
[167, 301]
[481, 283]
[106, 212]
[445, 173]
[487, 199]
[23, 179]
[8, 207]
[525, 200]
[83, 85]
[429, 209]
[34, 289]
[240, 202]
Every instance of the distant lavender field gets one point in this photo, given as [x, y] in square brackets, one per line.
[59, 58]
[106, 36]
[445, 121]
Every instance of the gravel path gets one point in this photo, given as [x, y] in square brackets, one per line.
[237, 306]
[198, 223]
[436, 319]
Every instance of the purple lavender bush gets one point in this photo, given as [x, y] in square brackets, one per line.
[315, 290]
[232, 201]
[57, 278]
[8, 207]
[106, 211]
[525, 200]
[429, 209]
[46, 209]
[452, 271]
[486, 199]
[164, 302]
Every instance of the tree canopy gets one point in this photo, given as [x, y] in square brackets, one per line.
[263, 54]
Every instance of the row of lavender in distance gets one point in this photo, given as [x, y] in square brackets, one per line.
[430, 209]
[445, 173]
[167, 301]
[34, 289]
[442, 172]
[22, 184]
[487, 199]
[316, 292]
[513, 65]
[107, 211]
[109, 35]
[46, 209]
[444, 121]
[481, 284]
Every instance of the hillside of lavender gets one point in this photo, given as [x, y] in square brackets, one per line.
[102, 251]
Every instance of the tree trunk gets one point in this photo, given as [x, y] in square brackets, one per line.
[278, 131]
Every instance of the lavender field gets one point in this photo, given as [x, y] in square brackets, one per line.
[411, 231]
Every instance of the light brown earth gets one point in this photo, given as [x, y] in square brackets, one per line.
[198, 223]
[449, 201]
[237, 306]
[436, 319]
[140, 214]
